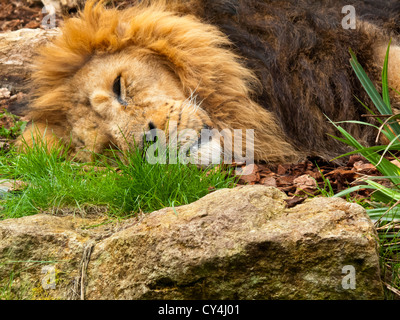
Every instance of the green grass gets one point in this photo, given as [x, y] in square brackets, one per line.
[54, 182]
[384, 205]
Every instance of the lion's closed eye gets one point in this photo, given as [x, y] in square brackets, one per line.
[117, 86]
[120, 90]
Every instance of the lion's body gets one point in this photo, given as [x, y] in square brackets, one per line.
[288, 67]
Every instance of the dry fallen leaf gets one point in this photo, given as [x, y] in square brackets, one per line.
[281, 170]
[249, 174]
[305, 181]
[268, 181]
[362, 166]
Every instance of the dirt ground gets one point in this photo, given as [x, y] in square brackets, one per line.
[17, 14]
[298, 181]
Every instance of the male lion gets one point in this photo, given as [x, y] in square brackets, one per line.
[278, 67]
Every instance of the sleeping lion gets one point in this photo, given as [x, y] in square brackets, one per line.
[279, 68]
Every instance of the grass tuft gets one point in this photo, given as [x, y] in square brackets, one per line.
[383, 207]
[132, 185]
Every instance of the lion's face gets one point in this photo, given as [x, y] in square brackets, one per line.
[125, 98]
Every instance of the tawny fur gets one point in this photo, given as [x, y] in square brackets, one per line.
[278, 67]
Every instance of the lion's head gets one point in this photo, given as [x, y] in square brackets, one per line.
[113, 75]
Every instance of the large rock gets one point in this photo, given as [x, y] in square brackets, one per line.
[240, 243]
[17, 51]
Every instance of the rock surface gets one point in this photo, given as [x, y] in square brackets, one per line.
[17, 50]
[240, 243]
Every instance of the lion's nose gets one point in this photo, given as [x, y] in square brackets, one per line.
[152, 126]
[151, 134]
